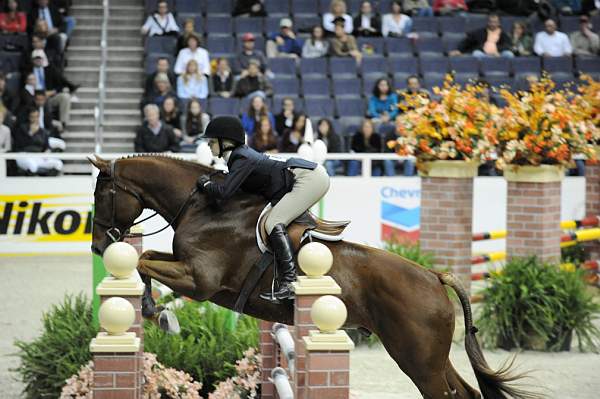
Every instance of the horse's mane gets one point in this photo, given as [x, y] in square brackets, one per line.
[170, 158]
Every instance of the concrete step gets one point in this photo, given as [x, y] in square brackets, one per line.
[116, 11]
[89, 135]
[90, 102]
[84, 41]
[112, 93]
[118, 40]
[113, 62]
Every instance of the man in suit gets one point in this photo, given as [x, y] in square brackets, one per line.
[53, 18]
[50, 80]
[162, 66]
[490, 41]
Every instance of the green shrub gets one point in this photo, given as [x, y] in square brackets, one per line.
[573, 254]
[211, 340]
[534, 305]
[61, 350]
[412, 252]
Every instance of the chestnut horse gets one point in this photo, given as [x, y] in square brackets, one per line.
[214, 248]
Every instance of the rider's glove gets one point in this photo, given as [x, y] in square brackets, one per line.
[202, 182]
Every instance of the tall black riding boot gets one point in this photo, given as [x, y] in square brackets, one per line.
[284, 261]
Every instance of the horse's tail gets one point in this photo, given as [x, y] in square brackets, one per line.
[493, 384]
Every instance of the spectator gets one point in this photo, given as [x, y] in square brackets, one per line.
[191, 83]
[195, 122]
[316, 46]
[222, 80]
[154, 135]
[367, 22]
[188, 30]
[11, 19]
[249, 52]
[53, 42]
[171, 115]
[417, 8]
[5, 134]
[285, 119]
[383, 104]
[285, 43]
[294, 137]
[332, 140]
[396, 24]
[256, 110]
[31, 137]
[337, 10]
[27, 95]
[255, 83]
[590, 7]
[162, 90]
[6, 98]
[249, 8]
[522, 42]
[195, 52]
[161, 23]
[163, 66]
[264, 139]
[343, 44]
[53, 19]
[54, 83]
[449, 7]
[50, 49]
[490, 41]
[552, 43]
[63, 8]
[365, 141]
[413, 89]
[389, 165]
[567, 7]
[584, 41]
[45, 121]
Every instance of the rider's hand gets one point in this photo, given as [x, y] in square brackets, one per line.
[202, 182]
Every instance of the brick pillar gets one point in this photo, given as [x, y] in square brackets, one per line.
[116, 375]
[592, 203]
[533, 212]
[267, 349]
[446, 223]
[328, 374]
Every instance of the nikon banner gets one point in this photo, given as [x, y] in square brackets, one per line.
[45, 215]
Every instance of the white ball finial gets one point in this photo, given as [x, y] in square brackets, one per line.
[328, 313]
[116, 315]
[315, 259]
[120, 259]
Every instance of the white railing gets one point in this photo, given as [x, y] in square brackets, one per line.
[99, 108]
[366, 159]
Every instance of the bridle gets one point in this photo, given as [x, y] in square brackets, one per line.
[113, 231]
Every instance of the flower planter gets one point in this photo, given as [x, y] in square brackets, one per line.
[450, 169]
[534, 174]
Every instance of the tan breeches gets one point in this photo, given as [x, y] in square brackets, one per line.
[309, 187]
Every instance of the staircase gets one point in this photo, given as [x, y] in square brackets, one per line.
[124, 75]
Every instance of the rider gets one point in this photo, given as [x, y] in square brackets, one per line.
[292, 186]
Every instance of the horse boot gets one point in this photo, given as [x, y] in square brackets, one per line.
[284, 263]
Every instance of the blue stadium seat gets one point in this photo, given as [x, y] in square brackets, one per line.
[161, 45]
[243, 25]
[374, 66]
[218, 25]
[189, 6]
[313, 66]
[425, 26]
[433, 80]
[499, 82]
[278, 8]
[346, 88]
[318, 106]
[10, 61]
[495, 67]
[13, 82]
[563, 80]
[219, 7]
[429, 45]
[588, 65]
[400, 80]
[507, 21]
[464, 78]
[433, 65]
[316, 86]
[286, 86]
[569, 24]
[305, 23]
[283, 66]
[271, 24]
[526, 66]
[223, 106]
[305, 7]
[521, 83]
[464, 64]
[342, 66]
[403, 65]
[19, 41]
[384, 6]
[451, 24]
[368, 84]
[451, 42]
[351, 107]
[475, 21]
[376, 44]
[558, 65]
[399, 45]
[324, 6]
[219, 46]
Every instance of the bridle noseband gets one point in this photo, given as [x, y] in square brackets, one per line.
[113, 232]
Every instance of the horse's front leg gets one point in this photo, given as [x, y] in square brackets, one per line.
[149, 309]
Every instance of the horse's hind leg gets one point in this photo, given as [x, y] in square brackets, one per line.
[435, 386]
[463, 389]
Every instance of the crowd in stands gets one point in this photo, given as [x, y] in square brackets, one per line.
[344, 65]
[35, 96]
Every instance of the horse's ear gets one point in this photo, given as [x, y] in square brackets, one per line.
[102, 164]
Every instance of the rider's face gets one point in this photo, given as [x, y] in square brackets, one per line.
[214, 147]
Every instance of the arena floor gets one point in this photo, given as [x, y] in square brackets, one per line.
[31, 284]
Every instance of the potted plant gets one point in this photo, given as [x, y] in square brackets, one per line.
[539, 306]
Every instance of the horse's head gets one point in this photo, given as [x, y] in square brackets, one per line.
[116, 206]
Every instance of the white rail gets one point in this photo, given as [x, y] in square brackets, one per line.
[99, 108]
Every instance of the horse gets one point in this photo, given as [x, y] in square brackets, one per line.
[214, 249]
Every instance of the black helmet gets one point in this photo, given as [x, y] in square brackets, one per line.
[226, 127]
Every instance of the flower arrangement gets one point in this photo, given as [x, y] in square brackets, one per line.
[458, 126]
[245, 384]
[544, 126]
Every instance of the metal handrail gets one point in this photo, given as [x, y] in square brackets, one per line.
[99, 109]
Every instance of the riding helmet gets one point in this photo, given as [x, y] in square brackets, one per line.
[226, 127]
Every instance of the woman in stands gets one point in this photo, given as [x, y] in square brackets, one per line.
[294, 137]
[326, 132]
[5, 134]
[196, 121]
[396, 24]
[256, 111]
[189, 29]
[383, 104]
[193, 51]
[317, 46]
[222, 80]
[522, 42]
[162, 88]
[263, 139]
[337, 10]
[365, 141]
[171, 115]
[161, 23]
[11, 19]
[367, 22]
[191, 83]
[285, 119]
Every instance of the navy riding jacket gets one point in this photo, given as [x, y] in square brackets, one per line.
[257, 173]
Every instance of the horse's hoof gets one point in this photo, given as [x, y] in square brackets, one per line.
[168, 322]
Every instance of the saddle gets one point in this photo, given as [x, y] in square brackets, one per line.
[304, 226]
